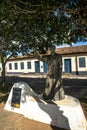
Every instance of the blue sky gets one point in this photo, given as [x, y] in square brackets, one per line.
[73, 44]
[79, 43]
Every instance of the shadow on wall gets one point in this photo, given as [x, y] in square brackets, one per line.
[48, 111]
[55, 114]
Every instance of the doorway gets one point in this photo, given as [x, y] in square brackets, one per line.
[37, 67]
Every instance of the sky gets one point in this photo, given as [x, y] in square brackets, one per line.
[73, 44]
[80, 44]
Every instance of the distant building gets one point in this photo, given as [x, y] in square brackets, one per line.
[74, 59]
[74, 62]
[26, 64]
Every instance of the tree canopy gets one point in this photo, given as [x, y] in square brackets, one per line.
[43, 23]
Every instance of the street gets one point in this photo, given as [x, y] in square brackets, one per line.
[73, 87]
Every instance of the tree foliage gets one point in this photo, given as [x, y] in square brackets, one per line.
[43, 22]
[40, 23]
[7, 50]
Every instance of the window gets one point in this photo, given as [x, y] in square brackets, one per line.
[67, 65]
[82, 62]
[29, 65]
[22, 65]
[10, 66]
[15, 66]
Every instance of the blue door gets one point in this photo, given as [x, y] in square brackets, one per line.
[67, 65]
[37, 67]
[45, 66]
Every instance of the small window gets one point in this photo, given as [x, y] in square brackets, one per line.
[22, 65]
[15, 66]
[10, 66]
[29, 65]
[82, 62]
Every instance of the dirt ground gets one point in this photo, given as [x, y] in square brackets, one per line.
[13, 121]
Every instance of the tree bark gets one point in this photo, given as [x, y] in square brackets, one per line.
[3, 71]
[54, 87]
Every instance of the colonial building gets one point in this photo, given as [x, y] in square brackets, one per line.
[74, 59]
[74, 62]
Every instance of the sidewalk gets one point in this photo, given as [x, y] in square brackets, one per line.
[64, 76]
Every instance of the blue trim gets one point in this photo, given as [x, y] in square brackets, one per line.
[73, 73]
[79, 73]
[82, 73]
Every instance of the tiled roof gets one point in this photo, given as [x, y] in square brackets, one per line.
[21, 57]
[72, 50]
[62, 51]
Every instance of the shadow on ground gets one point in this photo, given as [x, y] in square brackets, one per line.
[72, 87]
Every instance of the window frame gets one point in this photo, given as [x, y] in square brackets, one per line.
[10, 66]
[16, 66]
[82, 62]
[29, 65]
[22, 65]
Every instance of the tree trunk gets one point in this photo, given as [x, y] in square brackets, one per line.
[53, 90]
[54, 87]
[3, 72]
[3, 76]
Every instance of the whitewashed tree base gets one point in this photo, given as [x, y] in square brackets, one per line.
[65, 113]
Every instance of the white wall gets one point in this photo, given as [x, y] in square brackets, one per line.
[82, 68]
[73, 63]
[25, 70]
[32, 70]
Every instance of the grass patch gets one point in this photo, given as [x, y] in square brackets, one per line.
[4, 91]
[83, 102]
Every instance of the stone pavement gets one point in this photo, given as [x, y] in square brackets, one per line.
[9, 120]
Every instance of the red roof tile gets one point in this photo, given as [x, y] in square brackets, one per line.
[64, 50]
[72, 50]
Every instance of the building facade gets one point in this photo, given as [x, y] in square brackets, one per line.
[25, 65]
[74, 61]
